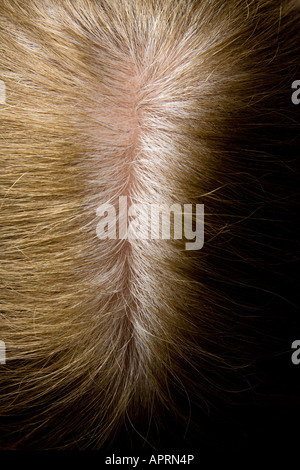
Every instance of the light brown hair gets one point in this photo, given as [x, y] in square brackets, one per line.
[162, 101]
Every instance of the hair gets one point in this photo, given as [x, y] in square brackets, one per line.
[141, 342]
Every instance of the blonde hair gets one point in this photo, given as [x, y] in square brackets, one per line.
[162, 101]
